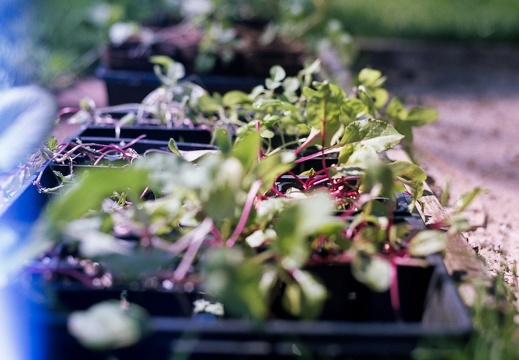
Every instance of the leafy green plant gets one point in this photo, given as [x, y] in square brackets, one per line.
[243, 225]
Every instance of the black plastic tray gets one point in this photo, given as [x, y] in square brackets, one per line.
[198, 136]
[128, 86]
[439, 314]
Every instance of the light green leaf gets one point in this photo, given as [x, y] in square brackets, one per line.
[371, 77]
[427, 242]
[380, 97]
[379, 174]
[375, 133]
[396, 110]
[411, 174]
[234, 281]
[173, 147]
[235, 97]
[222, 139]
[324, 106]
[421, 116]
[246, 149]
[270, 167]
[373, 271]
[92, 187]
[299, 219]
[263, 104]
[109, 325]
[277, 73]
[313, 294]
[466, 199]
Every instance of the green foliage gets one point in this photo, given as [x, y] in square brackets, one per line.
[225, 222]
[234, 279]
[438, 20]
[109, 325]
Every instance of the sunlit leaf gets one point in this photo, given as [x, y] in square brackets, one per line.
[421, 116]
[466, 199]
[396, 110]
[411, 174]
[109, 325]
[173, 147]
[92, 187]
[234, 281]
[375, 133]
[246, 149]
[373, 271]
[222, 139]
[277, 73]
[371, 77]
[313, 294]
[235, 97]
[296, 222]
[427, 242]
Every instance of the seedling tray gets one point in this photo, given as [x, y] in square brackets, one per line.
[197, 136]
[129, 86]
[433, 310]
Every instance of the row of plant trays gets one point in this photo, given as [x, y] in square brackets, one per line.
[129, 77]
[357, 322]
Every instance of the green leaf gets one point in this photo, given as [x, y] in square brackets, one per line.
[173, 147]
[466, 199]
[370, 77]
[379, 174]
[421, 116]
[367, 99]
[235, 97]
[358, 154]
[380, 97]
[277, 73]
[109, 325]
[263, 104]
[270, 167]
[208, 104]
[291, 84]
[298, 220]
[411, 174]
[92, 187]
[292, 299]
[313, 294]
[246, 149]
[234, 280]
[372, 271]
[427, 242]
[267, 134]
[396, 110]
[354, 109]
[375, 133]
[324, 106]
[222, 139]
[52, 143]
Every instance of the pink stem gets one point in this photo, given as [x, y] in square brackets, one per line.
[307, 142]
[245, 213]
[197, 239]
[319, 153]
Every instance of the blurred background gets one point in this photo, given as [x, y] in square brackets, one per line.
[52, 42]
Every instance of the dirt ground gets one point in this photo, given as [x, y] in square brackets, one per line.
[475, 141]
